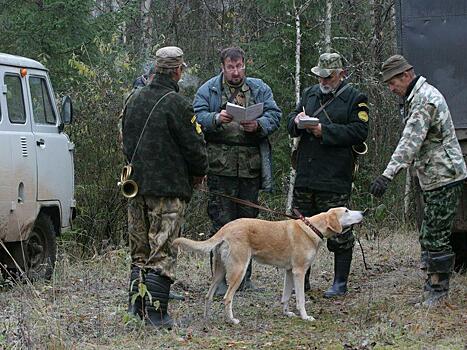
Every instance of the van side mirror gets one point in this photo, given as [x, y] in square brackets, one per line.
[67, 110]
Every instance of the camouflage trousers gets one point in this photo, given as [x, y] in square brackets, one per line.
[438, 217]
[153, 224]
[222, 210]
[311, 202]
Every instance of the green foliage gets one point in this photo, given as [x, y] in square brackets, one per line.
[98, 158]
[94, 51]
[48, 31]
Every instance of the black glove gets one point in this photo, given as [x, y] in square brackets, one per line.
[379, 186]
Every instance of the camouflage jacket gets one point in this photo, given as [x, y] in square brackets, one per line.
[428, 139]
[327, 163]
[172, 148]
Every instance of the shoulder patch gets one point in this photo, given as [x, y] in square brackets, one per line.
[197, 126]
[363, 104]
[363, 116]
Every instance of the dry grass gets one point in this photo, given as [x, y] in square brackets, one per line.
[84, 307]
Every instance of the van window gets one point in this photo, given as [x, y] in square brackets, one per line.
[14, 99]
[42, 109]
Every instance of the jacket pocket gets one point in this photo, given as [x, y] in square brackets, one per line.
[217, 156]
[254, 159]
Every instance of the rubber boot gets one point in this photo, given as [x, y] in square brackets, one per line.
[439, 269]
[156, 306]
[247, 284]
[135, 304]
[222, 287]
[342, 261]
[423, 260]
[459, 247]
[307, 280]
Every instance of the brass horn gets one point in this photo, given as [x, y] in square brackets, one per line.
[360, 149]
[128, 187]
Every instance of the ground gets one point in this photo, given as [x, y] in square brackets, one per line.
[84, 307]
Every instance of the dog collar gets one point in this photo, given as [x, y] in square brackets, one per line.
[309, 224]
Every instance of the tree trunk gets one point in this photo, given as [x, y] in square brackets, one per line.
[146, 28]
[327, 26]
[294, 141]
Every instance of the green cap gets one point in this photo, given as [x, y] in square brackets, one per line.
[327, 63]
[393, 66]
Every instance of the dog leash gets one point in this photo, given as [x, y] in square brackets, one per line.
[309, 224]
[297, 215]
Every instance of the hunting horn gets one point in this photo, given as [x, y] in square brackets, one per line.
[128, 187]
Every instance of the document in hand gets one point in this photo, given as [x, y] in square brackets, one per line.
[240, 113]
[306, 120]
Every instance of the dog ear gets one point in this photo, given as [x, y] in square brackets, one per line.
[334, 223]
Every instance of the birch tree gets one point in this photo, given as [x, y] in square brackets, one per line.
[146, 27]
[327, 26]
[294, 141]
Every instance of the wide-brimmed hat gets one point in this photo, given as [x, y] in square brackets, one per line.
[393, 66]
[327, 64]
[169, 57]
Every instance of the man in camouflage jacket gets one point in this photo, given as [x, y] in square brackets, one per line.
[429, 142]
[165, 147]
[239, 153]
[325, 160]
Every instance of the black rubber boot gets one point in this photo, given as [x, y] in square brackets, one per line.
[222, 287]
[307, 280]
[135, 303]
[342, 261]
[459, 247]
[156, 306]
[423, 260]
[439, 269]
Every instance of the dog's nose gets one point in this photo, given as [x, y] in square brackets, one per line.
[366, 212]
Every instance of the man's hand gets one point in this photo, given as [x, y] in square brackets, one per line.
[223, 117]
[249, 125]
[314, 129]
[379, 186]
[301, 114]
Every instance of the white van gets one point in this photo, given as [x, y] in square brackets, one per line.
[36, 168]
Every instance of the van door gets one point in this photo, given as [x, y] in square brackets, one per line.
[16, 128]
[55, 177]
[6, 176]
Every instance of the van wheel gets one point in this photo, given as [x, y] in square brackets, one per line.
[41, 249]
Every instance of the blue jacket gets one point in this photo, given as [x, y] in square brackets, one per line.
[207, 104]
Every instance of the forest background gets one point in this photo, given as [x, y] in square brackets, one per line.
[94, 50]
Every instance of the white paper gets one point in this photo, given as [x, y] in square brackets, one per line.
[240, 113]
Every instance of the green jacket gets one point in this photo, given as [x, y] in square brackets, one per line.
[326, 163]
[172, 148]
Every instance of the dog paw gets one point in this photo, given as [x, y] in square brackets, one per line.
[289, 314]
[234, 321]
[308, 318]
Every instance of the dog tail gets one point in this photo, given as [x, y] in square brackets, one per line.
[197, 246]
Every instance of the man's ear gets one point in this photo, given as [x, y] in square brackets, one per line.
[334, 223]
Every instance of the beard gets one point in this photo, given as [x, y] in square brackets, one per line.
[325, 89]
